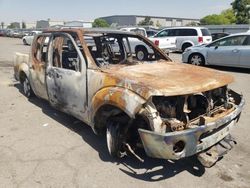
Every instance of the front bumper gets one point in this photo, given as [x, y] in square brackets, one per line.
[162, 145]
[185, 56]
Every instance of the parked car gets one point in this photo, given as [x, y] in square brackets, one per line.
[9, 33]
[137, 46]
[19, 33]
[2, 33]
[27, 40]
[172, 110]
[180, 38]
[233, 51]
[216, 36]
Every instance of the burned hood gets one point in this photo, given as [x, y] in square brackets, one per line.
[166, 78]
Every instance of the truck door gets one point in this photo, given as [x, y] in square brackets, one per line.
[66, 75]
[39, 61]
[225, 51]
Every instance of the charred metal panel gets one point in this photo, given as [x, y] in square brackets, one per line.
[164, 145]
[122, 98]
[167, 78]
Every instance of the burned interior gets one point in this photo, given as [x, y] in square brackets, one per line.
[114, 48]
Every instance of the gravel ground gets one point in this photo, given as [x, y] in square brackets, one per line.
[42, 147]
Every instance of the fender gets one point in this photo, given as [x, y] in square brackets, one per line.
[186, 41]
[20, 64]
[124, 99]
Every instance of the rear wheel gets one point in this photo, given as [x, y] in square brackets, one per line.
[27, 90]
[114, 140]
[141, 53]
[185, 46]
[196, 59]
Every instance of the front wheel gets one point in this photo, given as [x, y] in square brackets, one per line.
[196, 59]
[114, 140]
[27, 90]
[25, 42]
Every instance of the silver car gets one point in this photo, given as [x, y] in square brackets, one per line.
[233, 51]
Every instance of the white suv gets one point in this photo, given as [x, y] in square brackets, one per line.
[180, 38]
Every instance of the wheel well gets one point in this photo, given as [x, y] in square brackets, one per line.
[185, 44]
[196, 53]
[107, 111]
[140, 47]
[104, 113]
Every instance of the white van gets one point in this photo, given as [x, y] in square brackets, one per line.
[180, 38]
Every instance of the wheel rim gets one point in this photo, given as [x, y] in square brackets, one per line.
[140, 55]
[196, 60]
[26, 87]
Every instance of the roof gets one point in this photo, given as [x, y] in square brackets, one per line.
[91, 30]
[159, 17]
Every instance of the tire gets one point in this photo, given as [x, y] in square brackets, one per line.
[185, 46]
[25, 42]
[27, 90]
[196, 59]
[113, 137]
[141, 53]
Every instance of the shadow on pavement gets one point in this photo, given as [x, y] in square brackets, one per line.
[231, 69]
[154, 169]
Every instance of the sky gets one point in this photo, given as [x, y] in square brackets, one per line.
[88, 10]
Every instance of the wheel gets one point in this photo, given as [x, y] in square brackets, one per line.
[196, 59]
[141, 54]
[185, 46]
[24, 42]
[27, 90]
[113, 137]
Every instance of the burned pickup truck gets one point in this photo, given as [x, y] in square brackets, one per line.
[138, 98]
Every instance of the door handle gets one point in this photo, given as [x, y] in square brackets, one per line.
[58, 75]
[236, 51]
[48, 74]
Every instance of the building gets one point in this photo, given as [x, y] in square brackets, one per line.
[240, 28]
[30, 25]
[43, 24]
[78, 24]
[133, 20]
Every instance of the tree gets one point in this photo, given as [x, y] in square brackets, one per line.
[241, 10]
[214, 19]
[12, 26]
[23, 25]
[226, 17]
[100, 23]
[229, 14]
[146, 21]
[158, 24]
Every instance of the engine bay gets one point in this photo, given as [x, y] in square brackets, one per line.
[189, 111]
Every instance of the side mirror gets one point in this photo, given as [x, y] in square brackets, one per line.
[216, 47]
